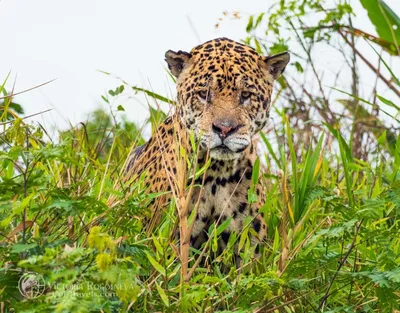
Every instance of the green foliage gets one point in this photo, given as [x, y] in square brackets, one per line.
[9, 110]
[333, 217]
[305, 28]
[386, 22]
[93, 258]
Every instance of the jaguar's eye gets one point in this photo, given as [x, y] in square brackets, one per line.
[245, 95]
[203, 94]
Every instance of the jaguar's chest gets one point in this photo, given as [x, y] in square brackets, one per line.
[223, 194]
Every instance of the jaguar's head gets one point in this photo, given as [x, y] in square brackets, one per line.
[224, 93]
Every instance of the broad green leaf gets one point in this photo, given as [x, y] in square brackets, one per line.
[24, 203]
[18, 248]
[157, 116]
[155, 264]
[249, 26]
[386, 22]
[162, 294]
[223, 226]
[245, 232]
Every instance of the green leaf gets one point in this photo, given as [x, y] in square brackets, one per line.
[252, 196]
[245, 232]
[155, 264]
[382, 138]
[201, 171]
[258, 46]
[388, 102]
[271, 150]
[309, 32]
[278, 47]
[162, 294]
[259, 19]
[156, 118]
[105, 99]
[120, 108]
[256, 172]
[24, 203]
[275, 245]
[249, 26]
[18, 248]
[223, 226]
[394, 275]
[367, 102]
[154, 95]
[14, 153]
[298, 66]
[120, 89]
[396, 80]
[157, 245]
[386, 22]
[380, 280]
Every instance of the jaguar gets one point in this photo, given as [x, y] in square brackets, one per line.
[223, 99]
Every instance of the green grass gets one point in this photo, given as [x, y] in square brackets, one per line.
[333, 229]
[332, 202]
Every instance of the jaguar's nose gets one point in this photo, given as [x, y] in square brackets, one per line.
[224, 128]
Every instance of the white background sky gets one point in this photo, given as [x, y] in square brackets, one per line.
[71, 40]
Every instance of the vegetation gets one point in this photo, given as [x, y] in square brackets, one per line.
[332, 207]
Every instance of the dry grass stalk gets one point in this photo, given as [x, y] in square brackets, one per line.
[283, 226]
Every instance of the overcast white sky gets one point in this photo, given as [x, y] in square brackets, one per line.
[71, 40]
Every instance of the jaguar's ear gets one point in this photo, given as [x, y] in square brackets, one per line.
[276, 63]
[177, 61]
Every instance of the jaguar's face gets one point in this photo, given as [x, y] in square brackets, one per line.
[224, 93]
